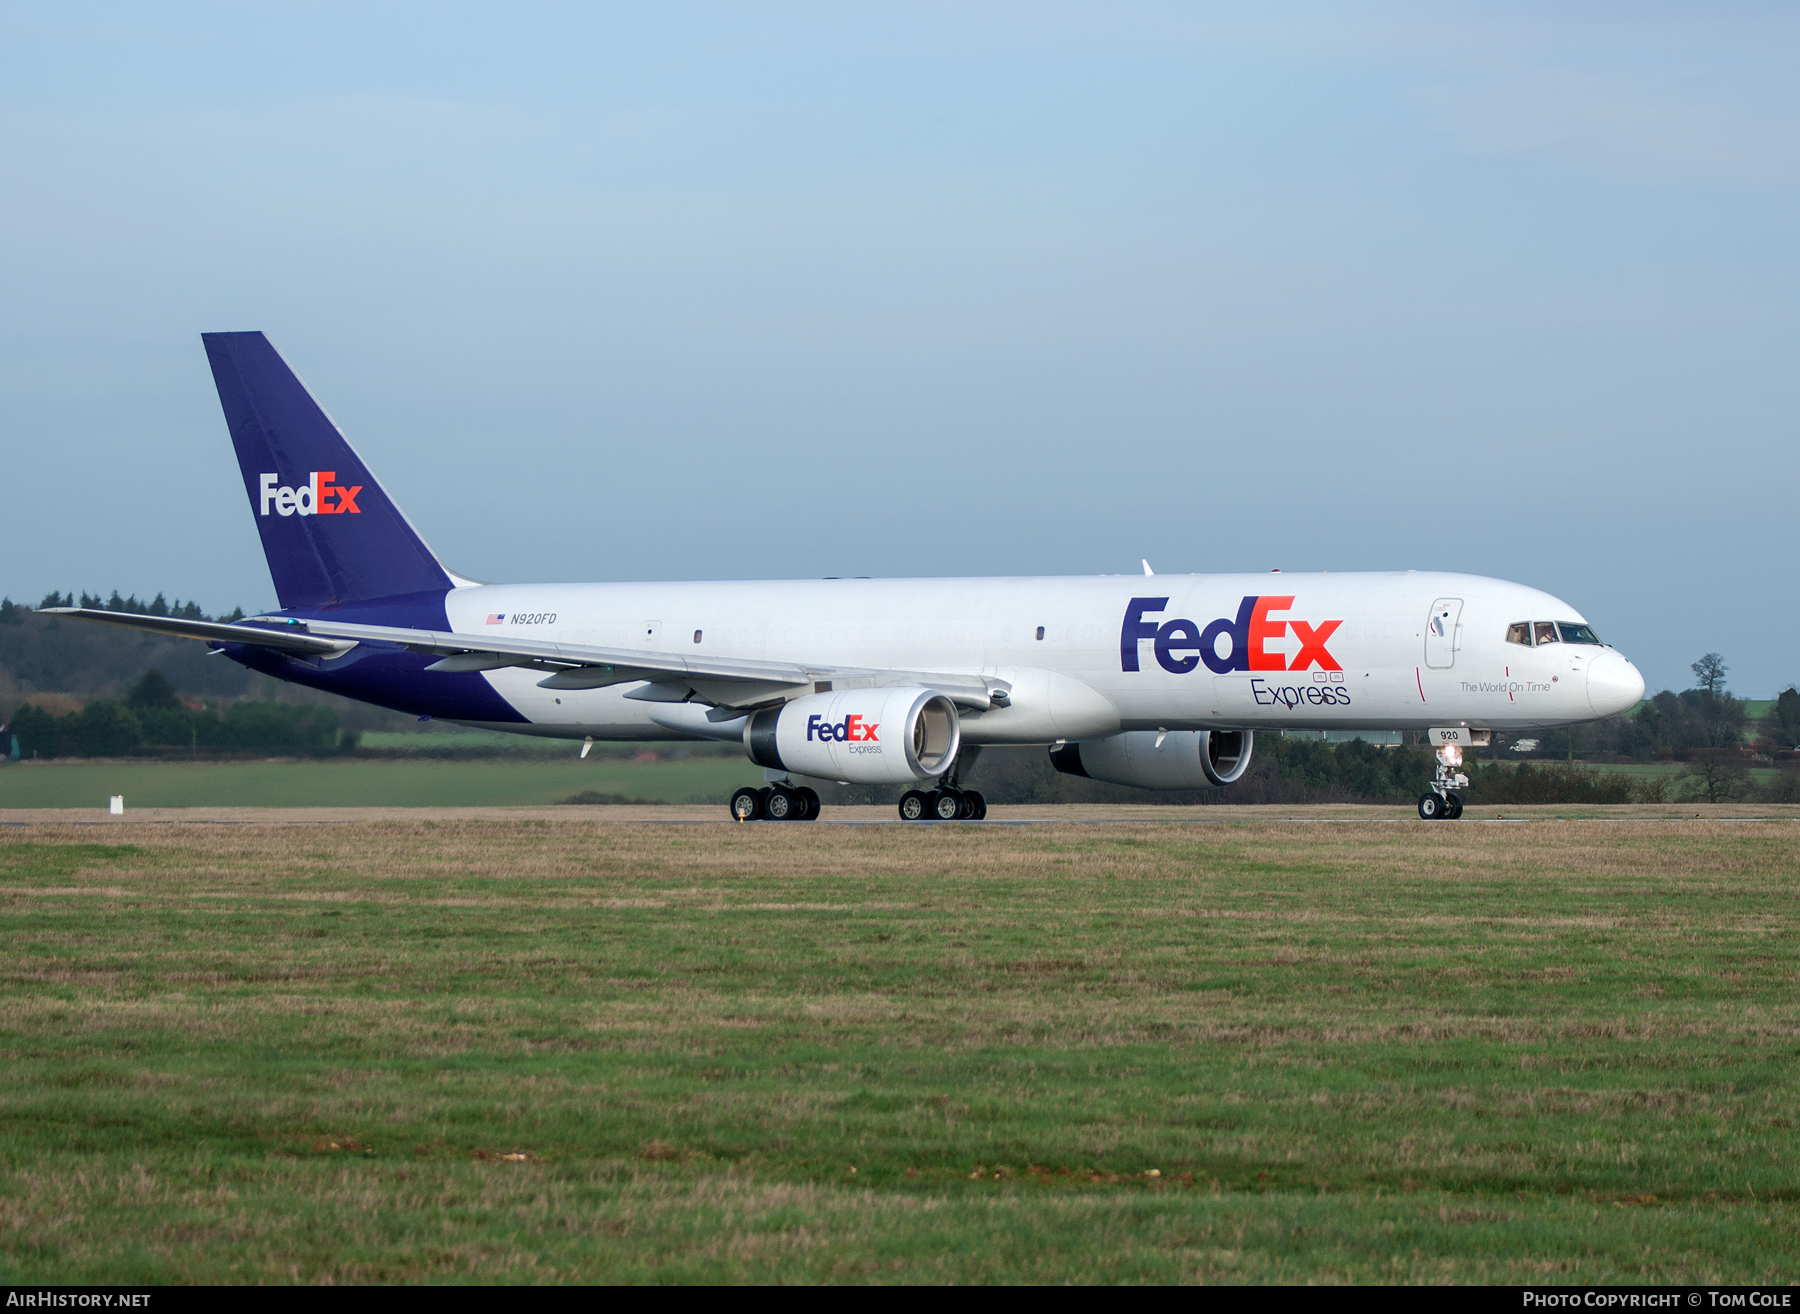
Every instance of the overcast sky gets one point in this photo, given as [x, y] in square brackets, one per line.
[740, 291]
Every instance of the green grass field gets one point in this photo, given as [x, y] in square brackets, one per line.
[347, 782]
[441, 736]
[528, 1051]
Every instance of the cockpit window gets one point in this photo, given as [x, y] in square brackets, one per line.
[1576, 633]
[1546, 631]
[1519, 632]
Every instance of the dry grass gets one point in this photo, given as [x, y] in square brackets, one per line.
[1039, 814]
[523, 1048]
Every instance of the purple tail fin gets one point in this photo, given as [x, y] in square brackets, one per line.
[329, 531]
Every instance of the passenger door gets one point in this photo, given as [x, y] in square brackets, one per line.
[1442, 631]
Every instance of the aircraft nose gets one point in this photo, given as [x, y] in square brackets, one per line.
[1614, 684]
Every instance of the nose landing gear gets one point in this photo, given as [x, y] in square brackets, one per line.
[1443, 803]
[1440, 807]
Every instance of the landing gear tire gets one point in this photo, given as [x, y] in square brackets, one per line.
[747, 804]
[977, 805]
[1431, 807]
[782, 804]
[810, 797]
[915, 805]
[948, 805]
[1453, 810]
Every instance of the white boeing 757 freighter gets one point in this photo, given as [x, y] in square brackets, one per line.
[1156, 681]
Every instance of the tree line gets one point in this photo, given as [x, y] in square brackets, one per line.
[153, 714]
[13, 613]
[1670, 726]
[1705, 727]
[44, 658]
[1674, 725]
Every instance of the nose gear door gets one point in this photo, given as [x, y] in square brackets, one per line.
[1442, 631]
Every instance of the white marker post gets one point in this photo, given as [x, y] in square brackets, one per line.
[117, 807]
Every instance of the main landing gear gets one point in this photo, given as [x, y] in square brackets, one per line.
[777, 802]
[790, 803]
[1443, 803]
[782, 800]
[949, 801]
[944, 804]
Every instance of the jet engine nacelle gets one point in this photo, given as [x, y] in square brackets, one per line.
[1187, 759]
[867, 736]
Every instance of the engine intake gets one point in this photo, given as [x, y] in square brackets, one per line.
[1187, 759]
[867, 736]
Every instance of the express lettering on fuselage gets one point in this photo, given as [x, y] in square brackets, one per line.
[1291, 696]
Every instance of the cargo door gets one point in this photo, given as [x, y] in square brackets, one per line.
[1233, 703]
[1442, 632]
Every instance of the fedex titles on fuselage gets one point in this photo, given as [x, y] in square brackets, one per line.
[318, 496]
[1181, 645]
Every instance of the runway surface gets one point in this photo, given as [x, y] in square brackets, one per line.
[1001, 816]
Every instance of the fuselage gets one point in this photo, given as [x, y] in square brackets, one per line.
[1083, 657]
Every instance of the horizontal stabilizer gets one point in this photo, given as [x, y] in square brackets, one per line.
[260, 636]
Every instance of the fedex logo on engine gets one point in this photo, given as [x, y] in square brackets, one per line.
[1181, 645]
[851, 730]
[318, 496]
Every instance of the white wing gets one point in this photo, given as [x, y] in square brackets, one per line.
[719, 682]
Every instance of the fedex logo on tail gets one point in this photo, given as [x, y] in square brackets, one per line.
[1181, 645]
[318, 496]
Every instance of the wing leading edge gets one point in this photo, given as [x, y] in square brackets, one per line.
[721, 682]
[716, 682]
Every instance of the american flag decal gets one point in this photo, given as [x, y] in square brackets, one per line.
[494, 618]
